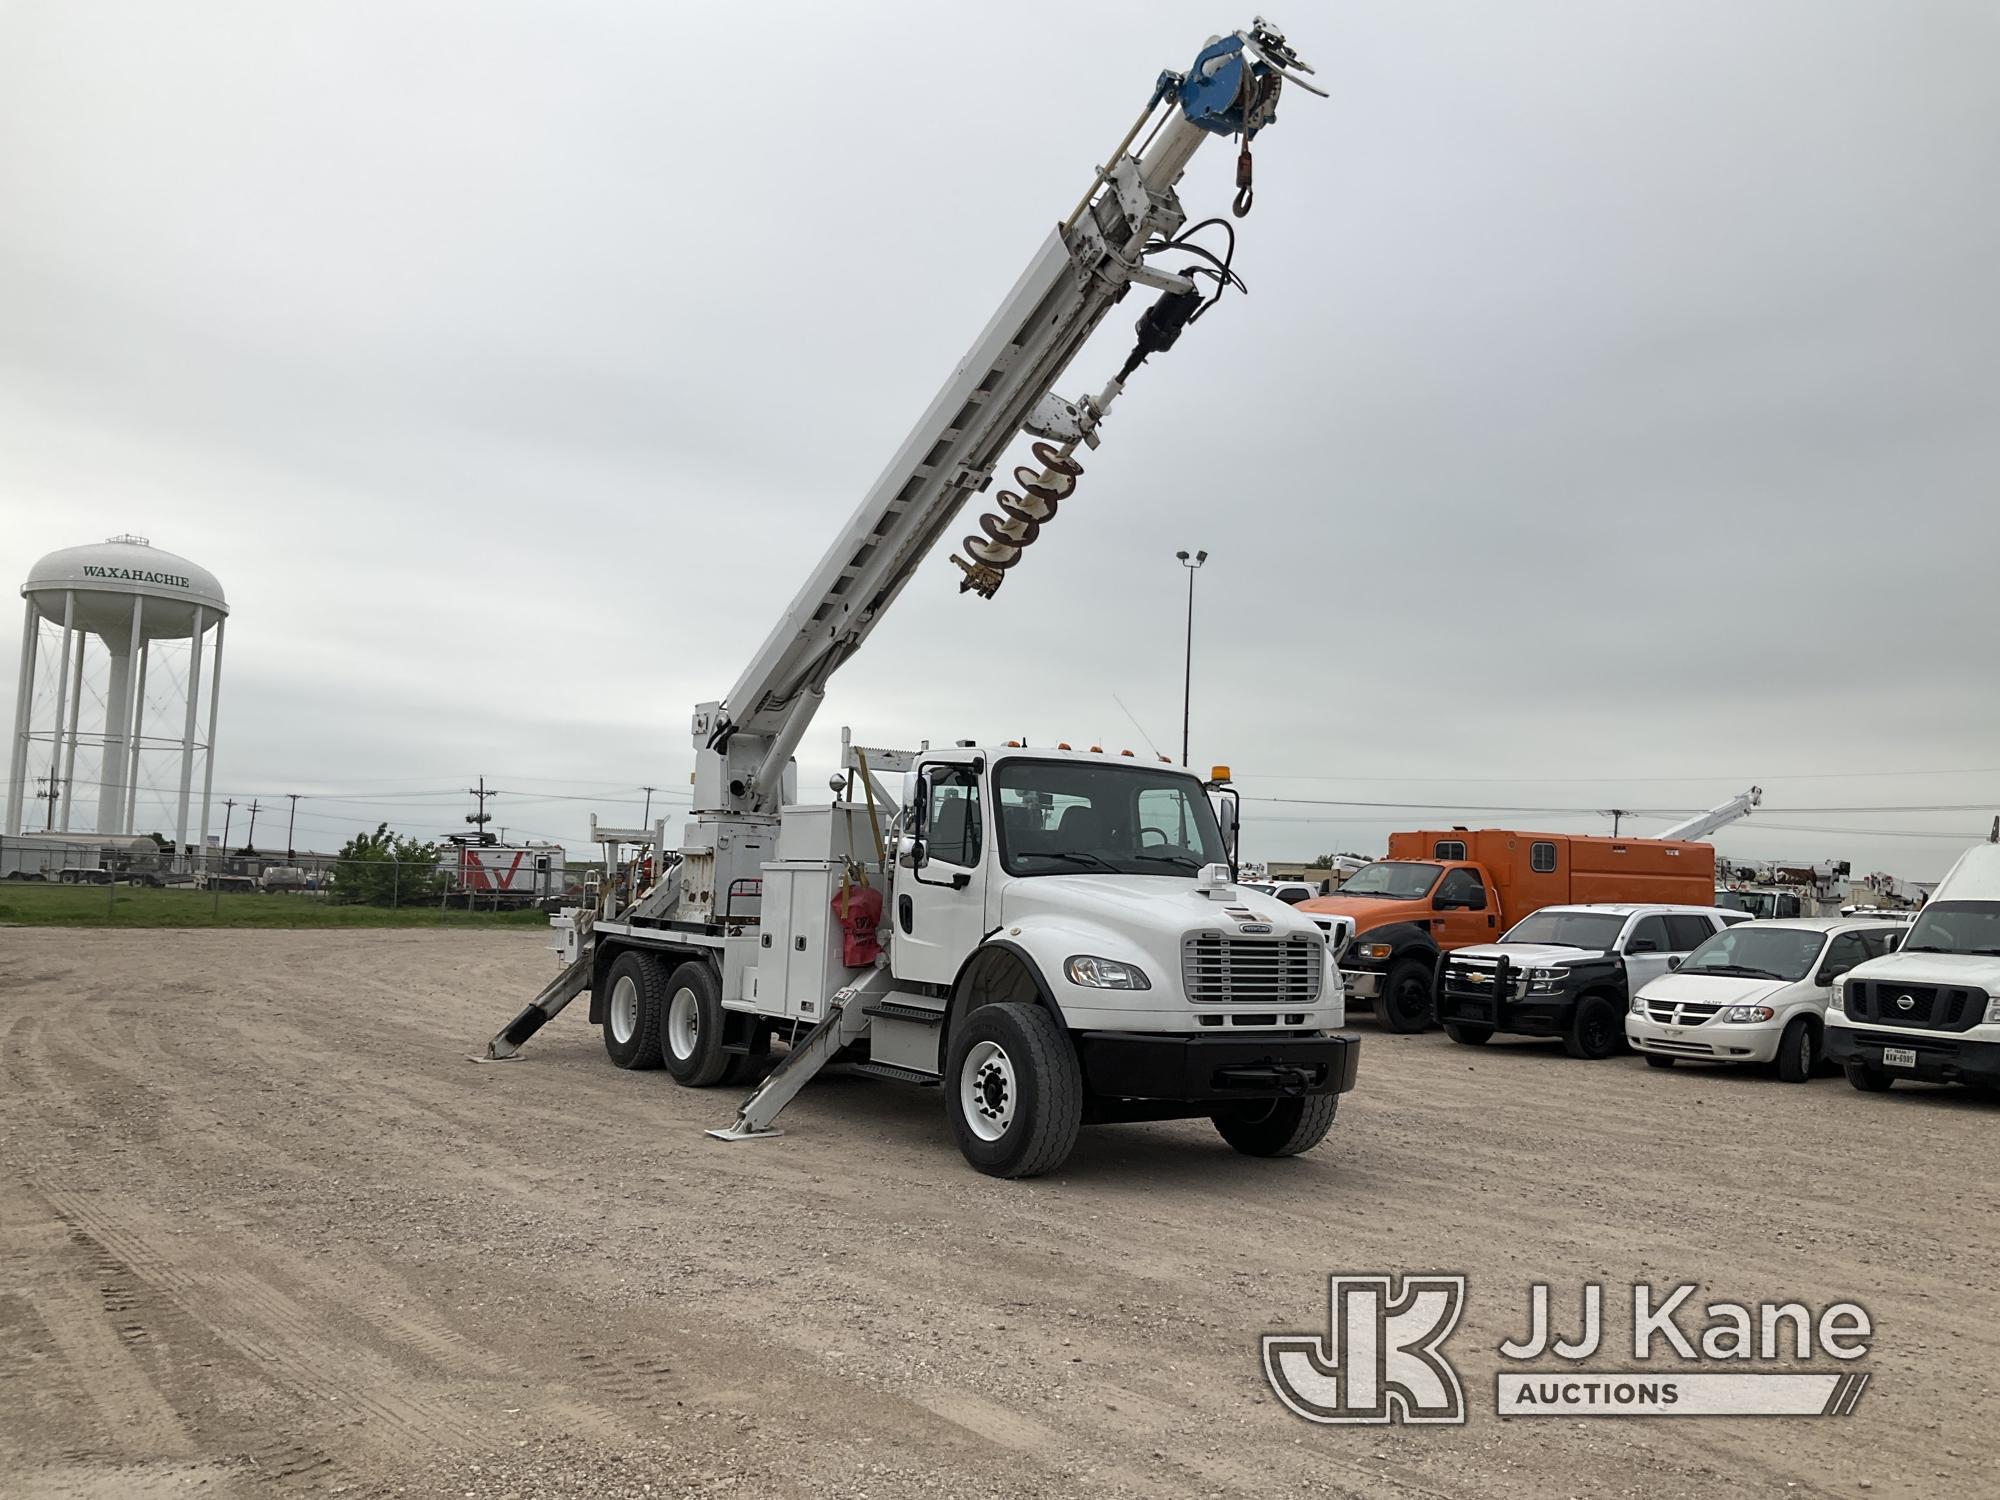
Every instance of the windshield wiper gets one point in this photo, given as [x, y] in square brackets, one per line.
[1732, 969]
[1178, 861]
[1081, 856]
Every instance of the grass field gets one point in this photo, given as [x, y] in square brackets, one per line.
[29, 904]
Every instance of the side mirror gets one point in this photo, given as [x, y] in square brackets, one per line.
[1674, 962]
[1827, 976]
[1225, 819]
[910, 852]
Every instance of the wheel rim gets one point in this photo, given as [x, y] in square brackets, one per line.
[1596, 1037]
[987, 1090]
[683, 1022]
[624, 1010]
[1805, 1049]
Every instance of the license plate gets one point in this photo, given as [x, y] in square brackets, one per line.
[1899, 1057]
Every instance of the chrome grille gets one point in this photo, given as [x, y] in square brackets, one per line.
[1218, 970]
[1339, 932]
[1680, 1012]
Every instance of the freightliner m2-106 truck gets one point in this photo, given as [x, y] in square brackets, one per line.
[1049, 937]
[1445, 889]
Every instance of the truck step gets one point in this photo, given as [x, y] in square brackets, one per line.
[897, 1010]
[895, 1072]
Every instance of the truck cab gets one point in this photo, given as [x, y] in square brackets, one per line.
[1930, 1011]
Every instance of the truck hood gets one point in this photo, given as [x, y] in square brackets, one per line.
[1713, 989]
[1130, 902]
[1527, 955]
[1977, 971]
[1369, 912]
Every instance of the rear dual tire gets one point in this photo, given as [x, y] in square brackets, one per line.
[655, 1017]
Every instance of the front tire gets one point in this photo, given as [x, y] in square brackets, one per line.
[1467, 1035]
[691, 1027]
[1013, 1090]
[1278, 1127]
[1868, 1078]
[1595, 1031]
[1798, 1051]
[633, 994]
[1405, 1004]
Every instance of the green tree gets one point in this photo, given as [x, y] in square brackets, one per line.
[380, 869]
[1324, 862]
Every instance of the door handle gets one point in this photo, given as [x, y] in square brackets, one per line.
[905, 913]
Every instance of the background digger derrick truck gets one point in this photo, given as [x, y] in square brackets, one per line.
[1451, 888]
[1050, 937]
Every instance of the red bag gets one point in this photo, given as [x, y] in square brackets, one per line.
[861, 915]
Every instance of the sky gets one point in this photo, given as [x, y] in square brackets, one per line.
[1612, 421]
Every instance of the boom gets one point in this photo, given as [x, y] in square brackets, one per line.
[1004, 383]
[1703, 824]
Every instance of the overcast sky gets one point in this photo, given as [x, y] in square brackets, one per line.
[1614, 418]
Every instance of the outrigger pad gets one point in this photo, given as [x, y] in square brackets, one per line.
[741, 1132]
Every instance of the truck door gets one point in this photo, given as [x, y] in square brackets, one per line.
[940, 903]
[1464, 908]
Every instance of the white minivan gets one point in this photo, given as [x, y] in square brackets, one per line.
[1756, 992]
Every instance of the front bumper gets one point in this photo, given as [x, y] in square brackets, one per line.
[1504, 1005]
[1750, 1043]
[1215, 1069]
[1361, 984]
[1940, 1059]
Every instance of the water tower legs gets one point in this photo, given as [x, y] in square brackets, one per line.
[138, 740]
[208, 750]
[69, 703]
[181, 862]
[117, 726]
[24, 706]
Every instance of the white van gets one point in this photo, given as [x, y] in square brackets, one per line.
[1756, 992]
[1931, 1010]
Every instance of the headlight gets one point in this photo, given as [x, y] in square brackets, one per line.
[1544, 980]
[1373, 952]
[1638, 1006]
[1738, 1014]
[1104, 973]
[1992, 1011]
[1837, 1001]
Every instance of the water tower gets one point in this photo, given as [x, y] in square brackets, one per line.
[112, 602]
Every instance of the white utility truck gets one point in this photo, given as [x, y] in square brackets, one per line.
[1052, 937]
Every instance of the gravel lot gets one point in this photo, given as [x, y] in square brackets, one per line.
[265, 1229]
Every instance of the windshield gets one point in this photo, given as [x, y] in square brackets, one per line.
[1397, 879]
[1568, 929]
[1956, 927]
[1059, 817]
[1757, 903]
[1757, 953]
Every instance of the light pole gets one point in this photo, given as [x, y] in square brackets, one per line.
[291, 823]
[1187, 675]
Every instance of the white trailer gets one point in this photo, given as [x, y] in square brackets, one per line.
[516, 874]
[81, 858]
[1050, 937]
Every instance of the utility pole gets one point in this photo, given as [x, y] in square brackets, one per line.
[647, 820]
[290, 825]
[52, 796]
[250, 843]
[228, 812]
[480, 819]
[1187, 677]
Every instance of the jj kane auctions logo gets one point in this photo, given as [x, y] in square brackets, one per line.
[1382, 1357]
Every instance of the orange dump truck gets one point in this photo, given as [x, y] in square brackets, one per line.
[1440, 890]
